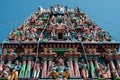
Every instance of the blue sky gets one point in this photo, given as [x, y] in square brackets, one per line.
[106, 13]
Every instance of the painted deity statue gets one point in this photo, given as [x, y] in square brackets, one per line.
[6, 72]
[84, 70]
[11, 55]
[4, 54]
[24, 54]
[17, 65]
[60, 70]
[14, 75]
[31, 54]
[104, 71]
[28, 54]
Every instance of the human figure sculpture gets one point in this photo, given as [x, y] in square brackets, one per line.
[104, 71]
[4, 54]
[75, 51]
[60, 70]
[24, 55]
[6, 72]
[73, 35]
[17, 65]
[84, 70]
[31, 54]
[45, 51]
[11, 55]
[51, 52]
[70, 51]
[113, 70]
[9, 64]
[14, 75]
[5, 51]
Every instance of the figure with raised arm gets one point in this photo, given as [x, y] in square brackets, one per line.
[60, 70]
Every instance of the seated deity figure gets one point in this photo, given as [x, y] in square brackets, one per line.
[13, 75]
[60, 71]
[70, 51]
[24, 54]
[45, 51]
[31, 54]
[76, 51]
[84, 69]
[28, 54]
[51, 51]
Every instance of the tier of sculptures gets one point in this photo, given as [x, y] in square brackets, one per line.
[72, 25]
[24, 65]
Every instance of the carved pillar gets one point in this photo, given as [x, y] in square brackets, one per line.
[97, 67]
[76, 68]
[113, 69]
[49, 66]
[44, 69]
[118, 65]
[92, 69]
[71, 69]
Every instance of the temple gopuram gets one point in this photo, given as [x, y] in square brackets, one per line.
[59, 43]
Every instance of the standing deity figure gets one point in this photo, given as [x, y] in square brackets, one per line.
[84, 70]
[60, 70]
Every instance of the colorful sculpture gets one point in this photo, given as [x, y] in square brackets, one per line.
[60, 70]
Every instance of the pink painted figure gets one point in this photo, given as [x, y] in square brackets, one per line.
[104, 71]
[60, 70]
[84, 70]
